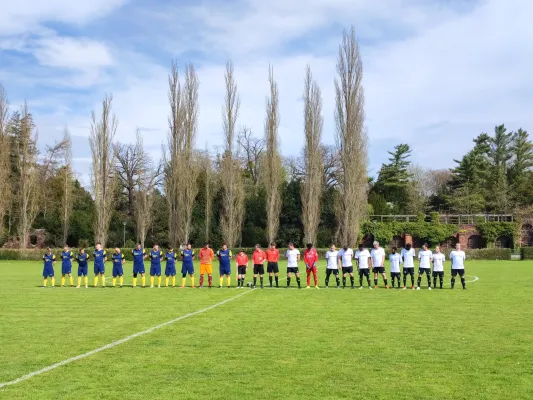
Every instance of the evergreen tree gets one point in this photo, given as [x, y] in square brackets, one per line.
[519, 171]
[393, 177]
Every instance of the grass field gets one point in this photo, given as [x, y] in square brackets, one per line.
[270, 344]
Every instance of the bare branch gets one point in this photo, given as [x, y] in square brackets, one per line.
[5, 167]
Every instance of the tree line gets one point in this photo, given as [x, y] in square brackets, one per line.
[246, 192]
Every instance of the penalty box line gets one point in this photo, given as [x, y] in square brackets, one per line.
[123, 340]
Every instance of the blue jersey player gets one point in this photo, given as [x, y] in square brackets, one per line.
[66, 266]
[48, 271]
[187, 266]
[155, 265]
[100, 257]
[118, 270]
[224, 256]
[170, 268]
[83, 267]
[139, 255]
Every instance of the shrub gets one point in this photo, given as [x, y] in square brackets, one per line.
[526, 253]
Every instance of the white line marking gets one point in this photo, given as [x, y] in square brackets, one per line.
[476, 278]
[116, 343]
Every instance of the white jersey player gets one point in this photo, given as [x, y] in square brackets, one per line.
[293, 256]
[458, 258]
[425, 256]
[438, 267]
[361, 257]
[395, 261]
[332, 257]
[408, 256]
[377, 256]
[345, 257]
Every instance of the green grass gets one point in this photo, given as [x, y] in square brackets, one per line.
[271, 344]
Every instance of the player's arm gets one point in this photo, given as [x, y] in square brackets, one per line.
[123, 259]
[53, 260]
[383, 258]
[105, 256]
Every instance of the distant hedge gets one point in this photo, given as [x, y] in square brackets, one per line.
[526, 253]
[471, 254]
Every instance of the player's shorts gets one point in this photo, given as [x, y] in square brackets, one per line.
[241, 269]
[378, 270]
[409, 271]
[395, 275]
[206, 269]
[272, 267]
[364, 271]
[155, 270]
[347, 270]
[438, 273]
[460, 272]
[187, 269]
[48, 272]
[259, 269]
[292, 270]
[66, 269]
[83, 271]
[422, 271]
[309, 269]
[138, 269]
[330, 271]
[170, 270]
[118, 271]
[99, 269]
[225, 270]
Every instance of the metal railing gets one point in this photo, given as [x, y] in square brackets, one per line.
[469, 219]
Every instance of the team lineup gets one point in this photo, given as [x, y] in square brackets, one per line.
[339, 263]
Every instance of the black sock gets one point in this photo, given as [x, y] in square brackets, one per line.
[337, 279]
[255, 280]
[360, 280]
[440, 281]
[453, 282]
[368, 281]
[404, 279]
[298, 280]
[352, 280]
[261, 280]
[412, 280]
[435, 282]
[429, 280]
[463, 282]
[288, 282]
[344, 281]
[270, 280]
[276, 281]
[386, 283]
[375, 282]
[419, 280]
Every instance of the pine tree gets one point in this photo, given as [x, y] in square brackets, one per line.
[394, 177]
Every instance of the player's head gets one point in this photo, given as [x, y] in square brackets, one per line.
[117, 250]
[291, 245]
[458, 246]
[394, 250]
[171, 250]
[65, 248]
[309, 246]
[408, 246]
[206, 245]
[273, 245]
[82, 250]
[425, 246]
[257, 246]
[138, 246]
[156, 247]
[345, 247]
[437, 249]
[224, 246]
[48, 250]
[360, 247]
[332, 247]
[98, 246]
[189, 245]
[242, 251]
[375, 244]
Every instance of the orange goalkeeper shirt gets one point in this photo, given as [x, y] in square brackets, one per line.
[206, 256]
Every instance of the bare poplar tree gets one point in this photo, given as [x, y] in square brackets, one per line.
[181, 170]
[232, 215]
[251, 151]
[103, 129]
[5, 167]
[272, 162]
[351, 139]
[314, 166]
[207, 165]
[66, 196]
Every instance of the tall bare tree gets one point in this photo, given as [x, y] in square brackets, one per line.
[103, 179]
[181, 169]
[272, 161]
[207, 165]
[351, 139]
[5, 167]
[67, 192]
[251, 152]
[314, 166]
[231, 177]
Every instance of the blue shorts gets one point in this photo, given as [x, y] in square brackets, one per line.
[225, 270]
[48, 272]
[170, 270]
[99, 269]
[83, 271]
[118, 271]
[155, 270]
[66, 269]
[187, 269]
[138, 269]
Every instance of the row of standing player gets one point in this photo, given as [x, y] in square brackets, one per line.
[337, 261]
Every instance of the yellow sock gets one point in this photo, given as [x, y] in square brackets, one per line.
[121, 280]
[166, 280]
[151, 281]
[114, 281]
[103, 280]
[221, 280]
[229, 280]
[71, 280]
[86, 281]
[192, 281]
[134, 282]
[159, 281]
[183, 281]
[173, 281]
[53, 281]
[62, 281]
[96, 281]
[45, 281]
[143, 281]
[79, 280]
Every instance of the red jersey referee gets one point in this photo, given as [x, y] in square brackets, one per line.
[272, 256]
[311, 259]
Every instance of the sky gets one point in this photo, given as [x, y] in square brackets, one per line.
[436, 72]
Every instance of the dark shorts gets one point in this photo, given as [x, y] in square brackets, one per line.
[224, 270]
[330, 271]
[438, 273]
[241, 269]
[272, 267]
[422, 271]
[138, 269]
[99, 269]
[347, 270]
[187, 269]
[460, 272]
[118, 271]
[259, 269]
[364, 271]
[155, 270]
[408, 271]
[293, 270]
[83, 271]
[170, 270]
[48, 272]
[66, 270]
[378, 270]
[395, 274]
